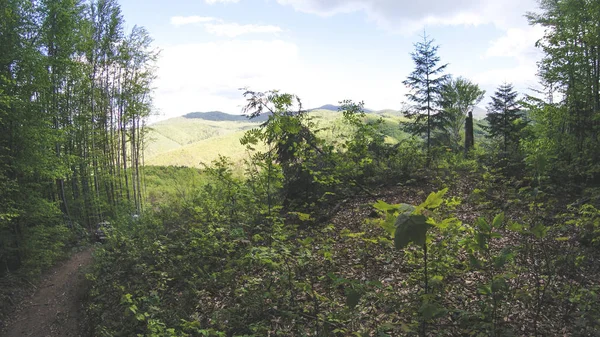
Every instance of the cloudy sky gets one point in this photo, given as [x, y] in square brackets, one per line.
[327, 50]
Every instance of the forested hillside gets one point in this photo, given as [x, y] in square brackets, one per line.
[423, 222]
[75, 92]
[199, 138]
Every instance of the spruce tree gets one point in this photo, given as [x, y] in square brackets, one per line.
[503, 111]
[425, 84]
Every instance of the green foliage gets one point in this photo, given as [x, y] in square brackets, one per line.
[567, 117]
[301, 167]
[75, 92]
[164, 183]
[587, 220]
[411, 225]
[45, 245]
[410, 228]
[425, 84]
[505, 117]
[458, 98]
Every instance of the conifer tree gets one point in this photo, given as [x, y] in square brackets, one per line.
[425, 84]
[503, 112]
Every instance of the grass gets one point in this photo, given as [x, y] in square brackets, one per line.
[192, 142]
[179, 132]
[203, 151]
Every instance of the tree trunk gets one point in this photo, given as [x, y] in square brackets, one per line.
[469, 135]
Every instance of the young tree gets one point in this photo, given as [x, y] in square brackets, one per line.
[503, 112]
[458, 98]
[425, 84]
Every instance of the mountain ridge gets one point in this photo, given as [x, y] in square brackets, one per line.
[219, 116]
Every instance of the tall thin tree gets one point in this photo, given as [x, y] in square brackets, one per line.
[425, 84]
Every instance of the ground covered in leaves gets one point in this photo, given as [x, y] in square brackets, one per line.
[502, 261]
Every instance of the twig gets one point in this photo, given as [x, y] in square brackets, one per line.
[33, 285]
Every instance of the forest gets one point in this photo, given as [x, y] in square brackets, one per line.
[441, 225]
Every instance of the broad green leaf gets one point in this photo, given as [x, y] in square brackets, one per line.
[495, 235]
[354, 235]
[481, 239]
[562, 238]
[475, 263]
[484, 289]
[515, 227]
[539, 231]
[405, 208]
[483, 225]
[388, 224]
[505, 256]
[306, 241]
[431, 311]
[435, 199]
[410, 228]
[384, 206]
[302, 216]
[499, 284]
[446, 223]
[498, 220]
[352, 297]
[436, 280]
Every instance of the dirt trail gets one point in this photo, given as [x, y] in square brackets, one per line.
[56, 307]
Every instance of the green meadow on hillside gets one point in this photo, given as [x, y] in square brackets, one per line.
[178, 132]
[190, 142]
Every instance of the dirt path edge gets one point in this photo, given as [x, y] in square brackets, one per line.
[56, 308]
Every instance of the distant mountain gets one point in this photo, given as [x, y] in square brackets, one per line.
[218, 116]
[332, 107]
[479, 113]
[329, 107]
[200, 137]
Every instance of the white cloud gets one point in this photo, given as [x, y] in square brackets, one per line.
[235, 29]
[518, 63]
[409, 16]
[220, 28]
[518, 46]
[187, 20]
[212, 2]
[207, 76]
[517, 42]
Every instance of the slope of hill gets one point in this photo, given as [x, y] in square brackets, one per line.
[219, 116]
[479, 113]
[330, 107]
[202, 152]
[200, 137]
[177, 132]
[333, 107]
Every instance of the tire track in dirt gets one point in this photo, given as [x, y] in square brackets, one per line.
[57, 306]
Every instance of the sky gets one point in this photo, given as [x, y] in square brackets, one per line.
[326, 51]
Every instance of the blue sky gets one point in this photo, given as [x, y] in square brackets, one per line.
[327, 50]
